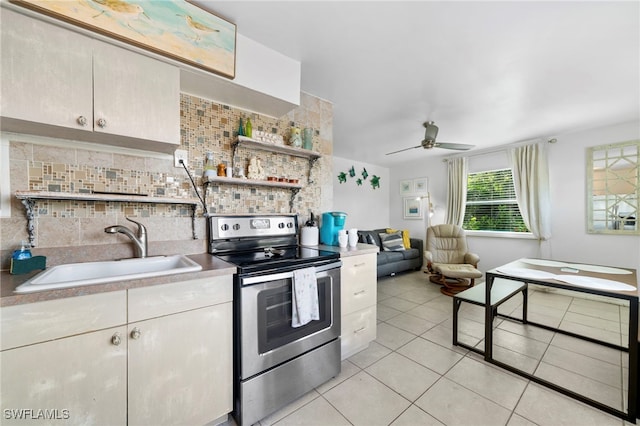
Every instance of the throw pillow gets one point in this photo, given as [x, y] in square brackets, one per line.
[405, 237]
[370, 240]
[392, 241]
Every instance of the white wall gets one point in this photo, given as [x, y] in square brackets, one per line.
[436, 173]
[367, 208]
[567, 168]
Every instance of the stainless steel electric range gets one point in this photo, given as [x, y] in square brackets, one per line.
[274, 362]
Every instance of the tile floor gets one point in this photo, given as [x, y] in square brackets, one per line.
[412, 374]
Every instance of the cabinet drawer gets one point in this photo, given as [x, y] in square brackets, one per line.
[359, 269]
[166, 299]
[356, 296]
[358, 329]
[41, 321]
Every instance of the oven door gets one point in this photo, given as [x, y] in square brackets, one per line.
[266, 336]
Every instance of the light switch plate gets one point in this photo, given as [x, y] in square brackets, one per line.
[180, 154]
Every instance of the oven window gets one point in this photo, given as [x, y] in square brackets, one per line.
[274, 315]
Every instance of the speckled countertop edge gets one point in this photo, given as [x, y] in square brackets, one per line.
[359, 249]
[211, 267]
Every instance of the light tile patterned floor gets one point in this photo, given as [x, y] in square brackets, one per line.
[413, 375]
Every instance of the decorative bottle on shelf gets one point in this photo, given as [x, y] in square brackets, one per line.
[209, 166]
[307, 138]
[294, 139]
[240, 128]
[247, 128]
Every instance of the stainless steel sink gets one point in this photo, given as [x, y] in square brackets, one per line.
[78, 274]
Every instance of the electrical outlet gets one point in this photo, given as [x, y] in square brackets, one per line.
[180, 154]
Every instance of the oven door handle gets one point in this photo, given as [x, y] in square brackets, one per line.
[286, 275]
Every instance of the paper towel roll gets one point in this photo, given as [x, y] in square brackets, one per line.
[309, 236]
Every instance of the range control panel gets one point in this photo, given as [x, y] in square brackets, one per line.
[225, 227]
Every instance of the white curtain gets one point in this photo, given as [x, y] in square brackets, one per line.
[531, 180]
[456, 190]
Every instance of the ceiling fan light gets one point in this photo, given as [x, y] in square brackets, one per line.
[430, 131]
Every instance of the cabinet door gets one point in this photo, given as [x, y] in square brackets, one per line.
[135, 95]
[77, 380]
[180, 367]
[46, 73]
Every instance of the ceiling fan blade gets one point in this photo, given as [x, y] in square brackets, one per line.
[406, 149]
[456, 146]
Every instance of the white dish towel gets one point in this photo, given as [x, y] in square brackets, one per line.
[304, 297]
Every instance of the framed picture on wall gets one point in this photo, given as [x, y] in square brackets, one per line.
[406, 187]
[420, 185]
[412, 208]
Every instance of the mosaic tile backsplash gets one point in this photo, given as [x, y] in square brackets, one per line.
[206, 126]
[210, 127]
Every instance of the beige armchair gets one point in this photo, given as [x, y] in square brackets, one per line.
[448, 259]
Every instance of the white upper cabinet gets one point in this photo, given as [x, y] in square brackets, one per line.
[46, 73]
[56, 82]
[135, 95]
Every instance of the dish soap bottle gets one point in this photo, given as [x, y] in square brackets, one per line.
[23, 253]
[247, 128]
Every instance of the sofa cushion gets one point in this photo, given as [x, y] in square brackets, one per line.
[411, 254]
[369, 237]
[389, 257]
[392, 241]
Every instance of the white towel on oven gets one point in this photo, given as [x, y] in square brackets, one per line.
[304, 297]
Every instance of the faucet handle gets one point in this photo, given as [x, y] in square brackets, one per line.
[141, 227]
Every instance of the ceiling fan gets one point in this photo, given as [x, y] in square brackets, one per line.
[430, 133]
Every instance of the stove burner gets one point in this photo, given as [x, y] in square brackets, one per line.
[270, 251]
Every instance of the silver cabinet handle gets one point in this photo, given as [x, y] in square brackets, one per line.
[116, 339]
[101, 123]
[359, 292]
[359, 264]
[82, 120]
[135, 333]
[359, 330]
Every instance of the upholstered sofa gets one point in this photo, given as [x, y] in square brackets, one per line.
[390, 262]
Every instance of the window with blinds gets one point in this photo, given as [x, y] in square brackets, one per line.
[491, 203]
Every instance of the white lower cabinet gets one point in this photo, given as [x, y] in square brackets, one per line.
[78, 361]
[180, 367]
[358, 302]
[65, 361]
[77, 380]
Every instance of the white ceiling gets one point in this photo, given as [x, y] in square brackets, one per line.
[488, 73]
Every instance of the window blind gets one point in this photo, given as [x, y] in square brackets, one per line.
[491, 202]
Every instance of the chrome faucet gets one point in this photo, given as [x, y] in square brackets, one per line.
[139, 241]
